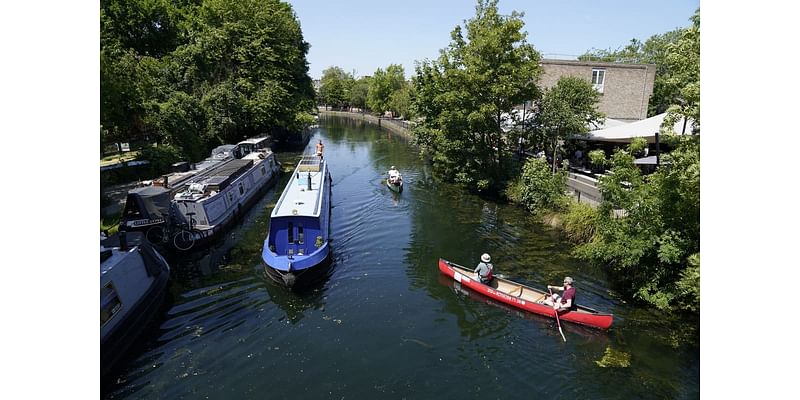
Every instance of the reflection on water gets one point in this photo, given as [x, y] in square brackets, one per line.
[386, 323]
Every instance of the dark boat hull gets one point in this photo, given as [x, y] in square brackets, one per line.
[584, 315]
[395, 187]
[114, 346]
[302, 278]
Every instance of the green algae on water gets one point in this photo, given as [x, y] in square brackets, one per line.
[615, 359]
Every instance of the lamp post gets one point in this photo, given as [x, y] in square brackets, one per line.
[658, 151]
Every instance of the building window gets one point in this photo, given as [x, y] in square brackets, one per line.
[109, 303]
[598, 79]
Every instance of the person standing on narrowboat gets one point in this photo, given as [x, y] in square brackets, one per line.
[564, 302]
[484, 269]
[320, 149]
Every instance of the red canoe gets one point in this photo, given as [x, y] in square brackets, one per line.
[523, 297]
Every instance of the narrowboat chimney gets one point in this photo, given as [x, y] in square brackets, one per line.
[123, 241]
[309, 181]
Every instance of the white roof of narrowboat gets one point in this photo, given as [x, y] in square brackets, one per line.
[296, 198]
[254, 140]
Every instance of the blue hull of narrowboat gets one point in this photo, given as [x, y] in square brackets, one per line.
[297, 263]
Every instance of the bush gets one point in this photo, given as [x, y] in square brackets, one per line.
[637, 146]
[579, 222]
[160, 158]
[538, 188]
[598, 160]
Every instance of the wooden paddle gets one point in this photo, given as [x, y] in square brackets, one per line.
[558, 321]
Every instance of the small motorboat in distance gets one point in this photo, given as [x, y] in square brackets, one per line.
[395, 180]
[523, 297]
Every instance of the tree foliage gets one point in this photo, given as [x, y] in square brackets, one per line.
[383, 86]
[467, 94]
[400, 101]
[653, 250]
[335, 87]
[195, 74]
[567, 108]
[358, 93]
[684, 62]
[537, 188]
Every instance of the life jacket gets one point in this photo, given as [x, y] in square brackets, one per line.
[488, 276]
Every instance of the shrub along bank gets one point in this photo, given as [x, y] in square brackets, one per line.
[652, 253]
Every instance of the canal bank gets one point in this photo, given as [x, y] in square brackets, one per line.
[399, 127]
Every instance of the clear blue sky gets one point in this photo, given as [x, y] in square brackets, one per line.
[366, 35]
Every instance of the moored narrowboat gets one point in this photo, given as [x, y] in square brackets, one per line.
[185, 211]
[133, 282]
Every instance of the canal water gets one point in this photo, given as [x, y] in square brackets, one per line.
[386, 324]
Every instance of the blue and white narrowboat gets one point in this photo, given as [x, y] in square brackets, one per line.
[297, 246]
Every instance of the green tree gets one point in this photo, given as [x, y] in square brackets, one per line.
[358, 93]
[182, 120]
[684, 62]
[466, 96]
[652, 247]
[383, 85]
[400, 101]
[335, 87]
[198, 73]
[567, 108]
[537, 188]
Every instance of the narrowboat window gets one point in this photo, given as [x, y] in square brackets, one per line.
[300, 233]
[263, 171]
[291, 232]
[241, 188]
[109, 303]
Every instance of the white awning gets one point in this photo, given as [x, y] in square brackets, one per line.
[645, 128]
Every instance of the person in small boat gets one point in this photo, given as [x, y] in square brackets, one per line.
[567, 299]
[320, 149]
[394, 175]
[484, 269]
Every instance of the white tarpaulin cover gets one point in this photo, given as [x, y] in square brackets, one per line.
[645, 128]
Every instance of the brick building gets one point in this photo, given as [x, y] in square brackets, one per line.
[625, 88]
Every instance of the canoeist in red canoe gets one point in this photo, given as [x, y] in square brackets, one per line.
[525, 297]
[484, 269]
[564, 302]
